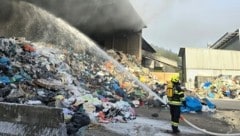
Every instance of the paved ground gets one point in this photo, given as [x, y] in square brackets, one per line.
[227, 104]
[145, 124]
[149, 127]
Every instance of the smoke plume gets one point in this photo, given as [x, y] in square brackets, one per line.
[95, 16]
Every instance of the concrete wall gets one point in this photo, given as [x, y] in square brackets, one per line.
[25, 120]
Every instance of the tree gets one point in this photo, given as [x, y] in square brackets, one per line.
[166, 53]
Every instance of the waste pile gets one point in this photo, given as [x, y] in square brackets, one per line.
[193, 102]
[144, 75]
[131, 63]
[87, 87]
[221, 87]
[41, 74]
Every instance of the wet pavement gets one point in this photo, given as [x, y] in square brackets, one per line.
[227, 104]
[148, 127]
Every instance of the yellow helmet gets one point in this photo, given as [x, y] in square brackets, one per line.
[175, 78]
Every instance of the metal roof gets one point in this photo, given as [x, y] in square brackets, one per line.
[224, 39]
[161, 59]
[147, 47]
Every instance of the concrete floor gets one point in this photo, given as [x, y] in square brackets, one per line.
[227, 104]
[148, 127]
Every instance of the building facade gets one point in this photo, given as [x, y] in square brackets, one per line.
[206, 64]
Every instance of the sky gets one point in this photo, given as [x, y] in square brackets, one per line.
[172, 24]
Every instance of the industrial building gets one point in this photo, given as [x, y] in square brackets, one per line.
[111, 24]
[155, 63]
[220, 58]
[200, 64]
[229, 41]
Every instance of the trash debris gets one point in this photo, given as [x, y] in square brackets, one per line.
[221, 87]
[39, 74]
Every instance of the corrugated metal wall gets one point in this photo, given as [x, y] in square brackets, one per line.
[212, 59]
[208, 63]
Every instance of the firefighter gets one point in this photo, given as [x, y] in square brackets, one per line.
[175, 99]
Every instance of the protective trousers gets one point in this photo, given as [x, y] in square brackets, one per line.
[175, 115]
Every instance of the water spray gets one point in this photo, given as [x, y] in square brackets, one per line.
[124, 71]
[73, 34]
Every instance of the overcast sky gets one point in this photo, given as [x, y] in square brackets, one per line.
[172, 24]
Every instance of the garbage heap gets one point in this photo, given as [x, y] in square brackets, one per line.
[143, 74]
[193, 102]
[221, 87]
[131, 63]
[41, 74]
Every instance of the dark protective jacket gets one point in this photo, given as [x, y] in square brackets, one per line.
[178, 95]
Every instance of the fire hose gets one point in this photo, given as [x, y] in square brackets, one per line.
[205, 131]
[151, 93]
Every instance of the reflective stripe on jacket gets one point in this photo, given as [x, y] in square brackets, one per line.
[174, 124]
[175, 103]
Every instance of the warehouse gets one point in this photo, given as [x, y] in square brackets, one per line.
[206, 64]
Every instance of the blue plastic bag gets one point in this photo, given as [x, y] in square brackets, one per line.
[209, 103]
[193, 103]
[4, 61]
[4, 80]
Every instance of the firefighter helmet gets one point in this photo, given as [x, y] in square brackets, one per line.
[175, 78]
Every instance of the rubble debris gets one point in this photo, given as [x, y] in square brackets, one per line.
[194, 103]
[222, 87]
[39, 74]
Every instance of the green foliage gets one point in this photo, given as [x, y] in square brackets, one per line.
[166, 53]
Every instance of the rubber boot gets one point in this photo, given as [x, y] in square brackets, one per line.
[175, 130]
